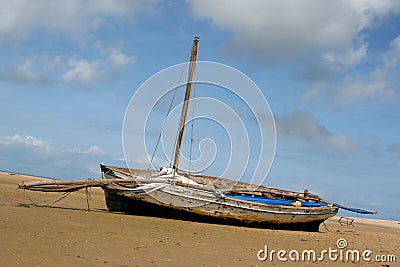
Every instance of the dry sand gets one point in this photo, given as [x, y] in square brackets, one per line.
[66, 234]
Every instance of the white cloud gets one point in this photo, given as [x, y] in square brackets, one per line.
[349, 58]
[82, 71]
[74, 17]
[356, 89]
[42, 69]
[279, 30]
[303, 126]
[93, 150]
[28, 154]
[26, 140]
[341, 142]
[24, 149]
[117, 58]
[378, 84]
[34, 71]
[392, 57]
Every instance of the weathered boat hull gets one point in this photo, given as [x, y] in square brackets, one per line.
[118, 202]
[180, 202]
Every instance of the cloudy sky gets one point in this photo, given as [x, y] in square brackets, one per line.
[327, 68]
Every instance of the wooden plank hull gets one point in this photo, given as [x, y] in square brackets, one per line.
[186, 203]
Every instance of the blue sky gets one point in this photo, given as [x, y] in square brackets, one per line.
[329, 70]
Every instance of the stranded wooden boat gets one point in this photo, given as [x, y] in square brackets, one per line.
[211, 199]
[170, 193]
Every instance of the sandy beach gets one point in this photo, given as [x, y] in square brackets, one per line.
[65, 233]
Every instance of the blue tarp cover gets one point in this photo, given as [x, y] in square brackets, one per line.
[282, 202]
[272, 201]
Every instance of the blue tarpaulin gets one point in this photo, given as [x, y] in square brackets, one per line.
[272, 201]
[283, 202]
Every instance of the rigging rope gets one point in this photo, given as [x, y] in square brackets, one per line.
[162, 128]
[177, 132]
[192, 127]
[165, 119]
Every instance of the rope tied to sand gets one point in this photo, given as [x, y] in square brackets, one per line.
[46, 202]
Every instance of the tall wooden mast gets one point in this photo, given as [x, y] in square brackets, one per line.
[182, 123]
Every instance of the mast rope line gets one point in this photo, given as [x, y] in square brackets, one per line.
[192, 127]
[165, 119]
